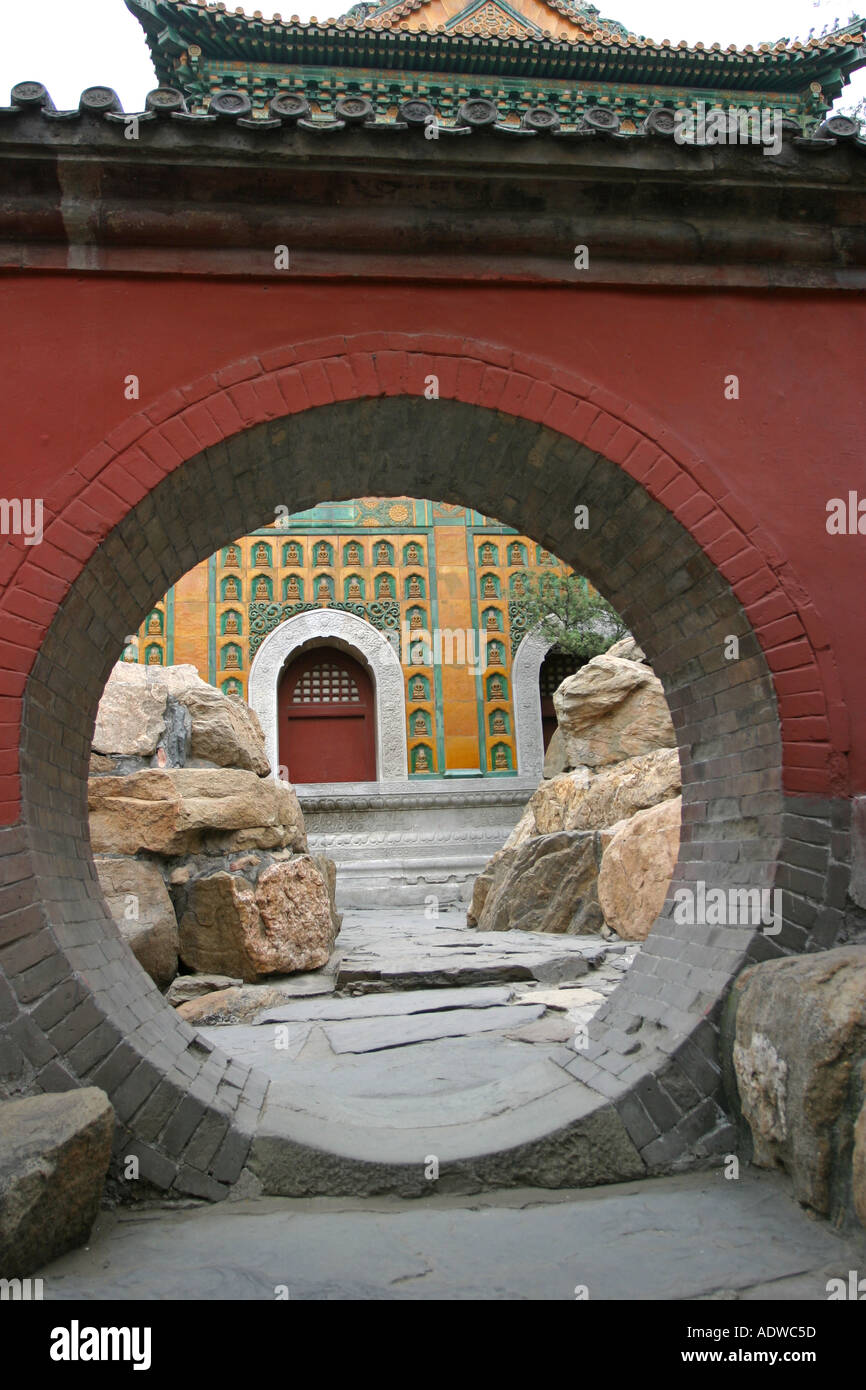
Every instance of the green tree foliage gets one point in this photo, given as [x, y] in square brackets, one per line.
[570, 614]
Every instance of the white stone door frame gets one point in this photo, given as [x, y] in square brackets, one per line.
[526, 696]
[356, 637]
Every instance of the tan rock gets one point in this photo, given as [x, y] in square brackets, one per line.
[636, 869]
[239, 1004]
[328, 869]
[183, 810]
[610, 710]
[484, 882]
[138, 901]
[627, 649]
[187, 987]
[523, 830]
[130, 720]
[554, 759]
[281, 924]
[226, 732]
[547, 884]
[580, 801]
[54, 1153]
[798, 1055]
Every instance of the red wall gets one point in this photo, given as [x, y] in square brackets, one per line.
[794, 439]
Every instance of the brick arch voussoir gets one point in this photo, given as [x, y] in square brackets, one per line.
[118, 473]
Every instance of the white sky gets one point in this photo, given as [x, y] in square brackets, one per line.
[73, 44]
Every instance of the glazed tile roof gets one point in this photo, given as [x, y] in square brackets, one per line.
[379, 38]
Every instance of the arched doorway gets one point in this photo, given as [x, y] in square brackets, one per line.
[658, 1092]
[326, 713]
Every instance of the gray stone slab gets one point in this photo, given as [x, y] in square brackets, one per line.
[374, 1034]
[252, 1045]
[463, 969]
[689, 1237]
[387, 1004]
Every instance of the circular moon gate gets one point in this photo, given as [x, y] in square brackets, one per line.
[648, 1085]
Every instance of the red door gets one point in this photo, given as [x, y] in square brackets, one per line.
[325, 708]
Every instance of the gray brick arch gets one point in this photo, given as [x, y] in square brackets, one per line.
[75, 1008]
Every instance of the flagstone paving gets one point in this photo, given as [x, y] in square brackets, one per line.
[429, 1027]
[696, 1237]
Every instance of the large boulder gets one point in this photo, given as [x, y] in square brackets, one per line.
[636, 869]
[578, 801]
[612, 709]
[276, 923]
[225, 732]
[54, 1153]
[178, 811]
[547, 884]
[170, 716]
[138, 901]
[798, 1048]
[130, 720]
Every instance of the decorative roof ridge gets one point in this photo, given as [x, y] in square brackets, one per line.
[478, 117]
[841, 38]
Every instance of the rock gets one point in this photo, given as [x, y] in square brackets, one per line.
[636, 869]
[54, 1154]
[169, 714]
[579, 801]
[225, 733]
[187, 987]
[554, 758]
[100, 764]
[627, 649]
[184, 810]
[612, 709]
[328, 869]
[131, 715]
[282, 923]
[798, 1050]
[173, 748]
[523, 830]
[858, 1158]
[240, 1004]
[480, 889]
[547, 884]
[138, 901]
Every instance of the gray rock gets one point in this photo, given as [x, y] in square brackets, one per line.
[414, 1001]
[547, 884]
[373, 1034]
[54, 1154]
[173, 748]
[798, 1049]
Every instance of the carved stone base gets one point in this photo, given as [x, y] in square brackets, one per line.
[397, 847]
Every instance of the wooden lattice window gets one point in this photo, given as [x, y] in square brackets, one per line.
[326, 684]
